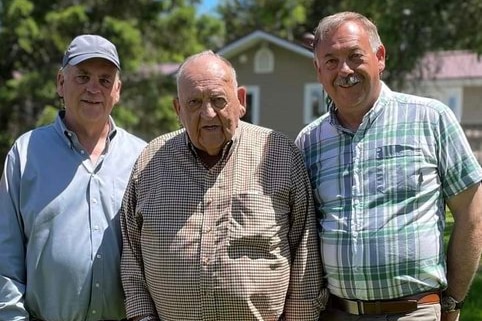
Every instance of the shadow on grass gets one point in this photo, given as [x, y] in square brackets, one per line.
[472, 310]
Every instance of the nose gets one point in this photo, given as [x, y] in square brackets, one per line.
[207, 110]
[93, 86]
[345, 69]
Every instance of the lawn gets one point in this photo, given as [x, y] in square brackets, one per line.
[472, 310]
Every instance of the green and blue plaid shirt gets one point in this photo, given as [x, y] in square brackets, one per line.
[380, 194]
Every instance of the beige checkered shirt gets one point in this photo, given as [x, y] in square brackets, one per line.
[237, 241]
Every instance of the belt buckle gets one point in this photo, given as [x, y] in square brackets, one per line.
[360, 308]
[353, 306]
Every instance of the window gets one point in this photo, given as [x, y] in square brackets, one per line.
[453, 99]
[252, 105]
[315, 102]
[264, 60]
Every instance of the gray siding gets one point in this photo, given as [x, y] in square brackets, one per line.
[281, 92]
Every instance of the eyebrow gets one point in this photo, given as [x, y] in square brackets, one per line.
[349, 49]
[104, 75]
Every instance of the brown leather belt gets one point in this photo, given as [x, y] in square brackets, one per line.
[402, 305]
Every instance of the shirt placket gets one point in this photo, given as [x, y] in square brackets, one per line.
[208, 248]
[96, 236]
[357, 209]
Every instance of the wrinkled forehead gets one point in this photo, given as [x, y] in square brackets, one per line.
[348, 36]
[209, 76]
[205, 67]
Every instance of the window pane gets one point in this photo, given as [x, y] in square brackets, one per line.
[249, 103]
[318, 107]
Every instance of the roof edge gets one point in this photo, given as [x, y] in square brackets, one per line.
[253, 38]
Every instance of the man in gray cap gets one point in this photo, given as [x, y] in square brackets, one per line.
[60, 194]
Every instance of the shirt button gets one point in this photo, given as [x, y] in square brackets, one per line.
[94, 311]
[99, 256]
[97, 285]
[94, 200]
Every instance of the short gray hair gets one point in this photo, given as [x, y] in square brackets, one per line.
[180, 71]
[329, 23]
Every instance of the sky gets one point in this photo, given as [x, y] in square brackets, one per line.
[207, 5]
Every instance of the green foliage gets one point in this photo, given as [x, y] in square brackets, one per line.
[210, 32]
[408, 28]
[284, 18]
[47, 116]
[147, 33]
[153, 95]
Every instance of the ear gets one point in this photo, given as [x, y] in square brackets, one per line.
[307, 40]
[176, 106]
[60, 83]
[117, 91]
[242, 101]
[317, 69]
[381, 58]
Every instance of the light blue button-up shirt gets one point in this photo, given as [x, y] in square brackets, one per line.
[60, 239]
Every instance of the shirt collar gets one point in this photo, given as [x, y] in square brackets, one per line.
[71, 138]
[227, 149]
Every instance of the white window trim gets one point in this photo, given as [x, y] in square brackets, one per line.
[255, 107]
[308, 116]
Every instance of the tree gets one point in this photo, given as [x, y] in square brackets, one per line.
[409, 29]
[147, 33]
[151, 32]
[280, 17]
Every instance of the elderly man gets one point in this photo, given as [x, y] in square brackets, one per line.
[218, 221]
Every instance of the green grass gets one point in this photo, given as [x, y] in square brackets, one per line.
[472, 310]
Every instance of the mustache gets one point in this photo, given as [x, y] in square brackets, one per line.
[347, 81]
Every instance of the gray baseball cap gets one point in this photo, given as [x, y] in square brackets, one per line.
[90, 46]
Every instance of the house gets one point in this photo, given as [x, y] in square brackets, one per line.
[284, 94]
[283, 91]
[455, 78]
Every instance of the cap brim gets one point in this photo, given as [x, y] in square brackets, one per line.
[80, 58]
